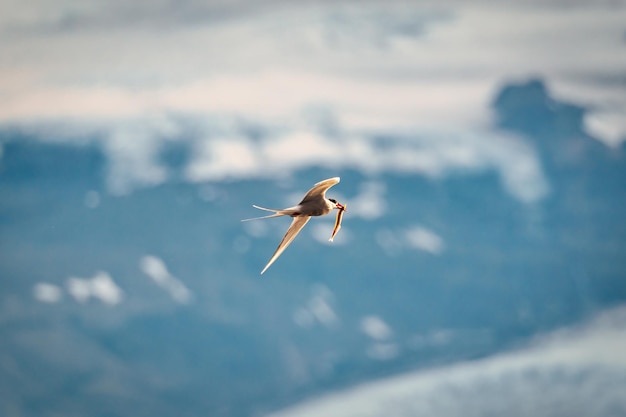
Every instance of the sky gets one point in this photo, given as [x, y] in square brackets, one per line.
[288, 86]
[102, 286]
[263, 89]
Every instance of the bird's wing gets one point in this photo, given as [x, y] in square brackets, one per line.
[296, 225]
[319, 189]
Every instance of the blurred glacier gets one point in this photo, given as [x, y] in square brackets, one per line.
[575, 371]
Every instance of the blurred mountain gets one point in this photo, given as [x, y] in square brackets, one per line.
[151, 303]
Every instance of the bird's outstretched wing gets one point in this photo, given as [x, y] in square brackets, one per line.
[319, 189]
[296, 225]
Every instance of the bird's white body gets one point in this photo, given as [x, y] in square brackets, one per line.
[314, 203]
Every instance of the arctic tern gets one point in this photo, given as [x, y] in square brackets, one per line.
[314, 203]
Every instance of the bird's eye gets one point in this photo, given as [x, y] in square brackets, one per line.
[333, 200]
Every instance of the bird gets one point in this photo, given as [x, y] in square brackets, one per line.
[314, 203]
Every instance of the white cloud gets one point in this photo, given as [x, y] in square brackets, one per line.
[376, 328]
[100, 286]
[370, 203]
[441, 337]
[382, 351]
[575, 371]
[47, 293]
[133, 160]
[378, 66]
[104, 288]
[424, 239]
[303, 317]
[389, 242]
[155, 268]
[134, 155]
[79, 288]
[610, 125]
[393, 241]
[431, 153]
[318, 309]
[217, 159]
[423, 75]
[322, 311]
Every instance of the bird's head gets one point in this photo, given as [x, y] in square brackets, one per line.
[337, 204]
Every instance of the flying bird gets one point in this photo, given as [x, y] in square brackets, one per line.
[314, 203]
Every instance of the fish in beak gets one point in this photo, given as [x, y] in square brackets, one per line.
[341, 208]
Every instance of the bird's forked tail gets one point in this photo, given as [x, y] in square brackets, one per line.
[277, 213]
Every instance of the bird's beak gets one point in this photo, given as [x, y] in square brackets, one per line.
[340, 206]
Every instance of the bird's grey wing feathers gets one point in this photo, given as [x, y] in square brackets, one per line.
[296, 225]
[319, 189]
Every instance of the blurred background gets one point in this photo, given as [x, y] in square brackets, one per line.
[481, 267]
